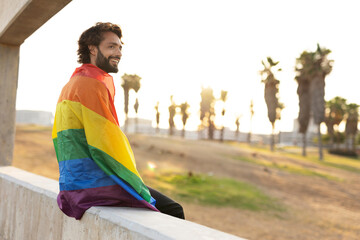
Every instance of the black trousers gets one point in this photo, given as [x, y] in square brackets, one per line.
[167, 205]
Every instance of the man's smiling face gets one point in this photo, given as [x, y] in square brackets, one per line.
[108, 53]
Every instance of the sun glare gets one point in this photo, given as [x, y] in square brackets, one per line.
[151, 166]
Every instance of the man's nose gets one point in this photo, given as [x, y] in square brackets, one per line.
[119, 52]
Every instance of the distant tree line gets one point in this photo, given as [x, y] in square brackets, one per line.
[311, 69]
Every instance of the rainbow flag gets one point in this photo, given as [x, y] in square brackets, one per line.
[96, 164]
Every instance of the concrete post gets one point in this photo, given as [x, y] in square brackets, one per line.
[9, 68]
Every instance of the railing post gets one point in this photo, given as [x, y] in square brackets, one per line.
[9, 68]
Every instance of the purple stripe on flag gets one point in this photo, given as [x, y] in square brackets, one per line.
[74, 203]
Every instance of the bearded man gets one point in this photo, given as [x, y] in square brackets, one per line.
[96, 164]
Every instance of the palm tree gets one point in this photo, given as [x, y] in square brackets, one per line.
[303, 91]
[126, 85]
[157, 117]
[352, 121]
[329, 122]
[185, 115]
[130, 81]
[334, 115]
[237, 123]
[320, 68]
[172, 112]
[223, 98]
[135, 84]
[251, 117]
[136, 107]
[207, 113]
[271, 95]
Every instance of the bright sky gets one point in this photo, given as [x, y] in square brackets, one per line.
[179, 46]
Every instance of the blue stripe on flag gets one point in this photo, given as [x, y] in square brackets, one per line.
[82, 173]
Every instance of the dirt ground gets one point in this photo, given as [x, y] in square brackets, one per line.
[315, 207]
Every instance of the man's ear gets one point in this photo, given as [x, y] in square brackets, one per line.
[93, 50]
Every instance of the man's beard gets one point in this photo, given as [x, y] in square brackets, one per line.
[104, 63]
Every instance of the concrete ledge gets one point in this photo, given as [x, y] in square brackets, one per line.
[29, 211]
[20, 18]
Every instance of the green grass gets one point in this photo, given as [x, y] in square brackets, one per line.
[342, 166]
[305, 172]
[341, 162]
[290, 168]
[345, 163]
[220, 192]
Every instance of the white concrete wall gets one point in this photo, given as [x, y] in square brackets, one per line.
[42, 118]
[28, 210]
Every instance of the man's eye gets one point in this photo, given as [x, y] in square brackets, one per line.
[111, 47]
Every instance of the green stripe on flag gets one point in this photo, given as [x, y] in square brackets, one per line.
[72, 144]
[115, 168]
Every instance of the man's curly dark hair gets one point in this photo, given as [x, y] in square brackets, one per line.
[93, 36]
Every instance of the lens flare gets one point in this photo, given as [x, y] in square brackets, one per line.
[151, 166]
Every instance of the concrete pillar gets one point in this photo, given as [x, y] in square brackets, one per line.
[9, 68]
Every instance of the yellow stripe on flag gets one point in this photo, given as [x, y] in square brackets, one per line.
[100, 132]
